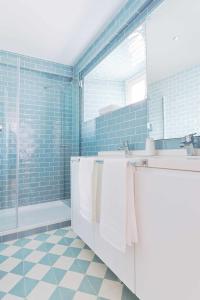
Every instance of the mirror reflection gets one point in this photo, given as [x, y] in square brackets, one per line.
[119, 79]
[173, 69]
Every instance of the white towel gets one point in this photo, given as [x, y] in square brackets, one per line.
[86, 192]
[117, 220]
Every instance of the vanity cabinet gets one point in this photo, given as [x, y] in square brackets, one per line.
[168, 252]
[165, 263]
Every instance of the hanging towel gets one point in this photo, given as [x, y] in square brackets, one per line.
[86, 188]
[117, 220]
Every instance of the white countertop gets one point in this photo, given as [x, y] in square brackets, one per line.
[164, 159]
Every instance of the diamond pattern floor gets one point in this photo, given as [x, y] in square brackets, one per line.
[56, 265]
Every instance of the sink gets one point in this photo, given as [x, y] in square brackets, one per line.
[113, 154]
[121, 153]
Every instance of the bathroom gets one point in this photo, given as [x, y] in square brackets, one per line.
[99, 150]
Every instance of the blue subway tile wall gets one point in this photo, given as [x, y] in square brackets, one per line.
[36, 64]
[36, 102]
[96, 135]
[181, 97]
[108, 132]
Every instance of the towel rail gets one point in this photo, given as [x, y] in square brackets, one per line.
[137, 163]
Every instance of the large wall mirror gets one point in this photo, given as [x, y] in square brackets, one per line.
[119, 79]
[173, 69]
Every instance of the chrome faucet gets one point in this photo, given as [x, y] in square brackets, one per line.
[126, 147]
[188, 144]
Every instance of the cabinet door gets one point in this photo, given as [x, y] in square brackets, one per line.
[122, 264]
[168, 252]
[74, 196]
[81, 227]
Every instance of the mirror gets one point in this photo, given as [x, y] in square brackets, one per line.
[173, 69]
[118, 80]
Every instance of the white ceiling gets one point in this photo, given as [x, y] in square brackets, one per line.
[166, 56]
[56, 30]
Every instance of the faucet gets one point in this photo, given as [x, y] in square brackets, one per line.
[188, 144]
[126, 147]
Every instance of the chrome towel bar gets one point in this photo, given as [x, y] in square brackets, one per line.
[136, 163]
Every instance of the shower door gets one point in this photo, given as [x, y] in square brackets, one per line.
[9, 143]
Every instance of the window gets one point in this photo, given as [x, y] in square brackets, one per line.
[136, 90]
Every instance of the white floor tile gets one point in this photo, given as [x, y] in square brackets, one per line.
[33, 244]
[35, 256]
[86, 254]
[111, 290]
[42, 291]
[58, 249]
[9, 264]
[71, 280]
[64, 262]
[54, 239]
[97, 269]
[71, 234]
[78, 243]
[9, 281]
[38, 271]
[11, 250]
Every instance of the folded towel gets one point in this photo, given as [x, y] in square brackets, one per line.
[86, 188]
[117, 220]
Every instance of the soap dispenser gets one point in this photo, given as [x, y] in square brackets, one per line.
[150, 146]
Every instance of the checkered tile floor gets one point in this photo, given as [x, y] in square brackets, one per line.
[56, 265]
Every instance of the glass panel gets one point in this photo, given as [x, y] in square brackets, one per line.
[43, 148]
[9, 79]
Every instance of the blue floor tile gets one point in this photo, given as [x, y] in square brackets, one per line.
[23, 287]
[45, 247]
[64, 293]
[49, 259]
[90, 285]
[72, 252]
[65, 241]
[22, 253]
[22, 268]
[80, 266]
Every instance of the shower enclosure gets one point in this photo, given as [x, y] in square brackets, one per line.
[35, 143]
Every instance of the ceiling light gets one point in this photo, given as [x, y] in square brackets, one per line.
[175, 38]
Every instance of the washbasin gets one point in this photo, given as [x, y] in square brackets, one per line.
[113, 154]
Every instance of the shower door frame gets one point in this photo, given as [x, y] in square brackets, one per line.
[7, 129]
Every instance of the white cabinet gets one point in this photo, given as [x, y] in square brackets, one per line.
[168, 252]
[81, 226]
[122, 264]
[165, 263]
